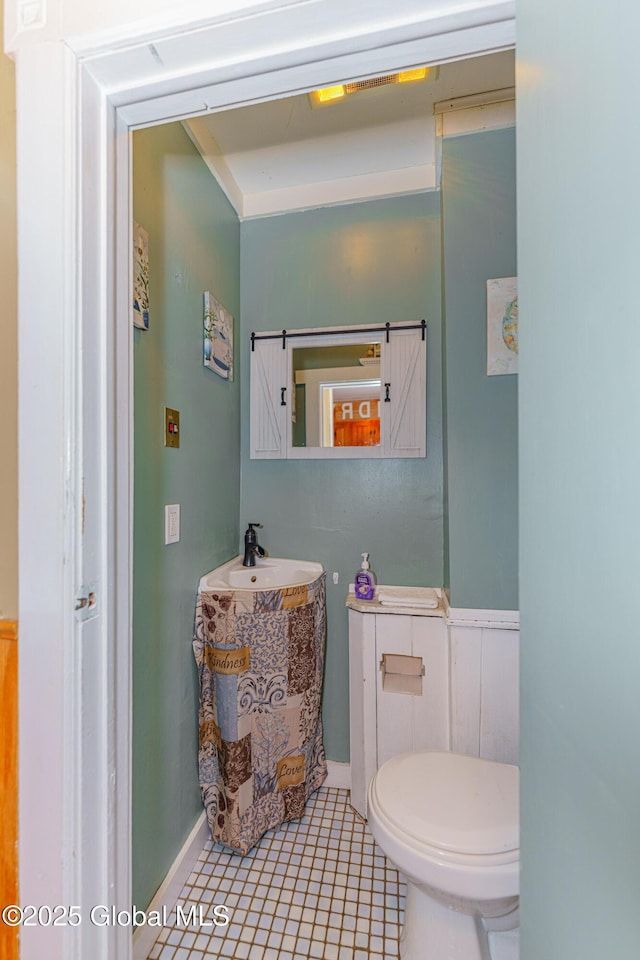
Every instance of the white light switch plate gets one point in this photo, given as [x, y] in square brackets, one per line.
[172, 523]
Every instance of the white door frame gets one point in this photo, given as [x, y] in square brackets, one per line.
[77, 101]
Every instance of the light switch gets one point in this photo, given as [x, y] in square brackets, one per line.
[172, 523]
[171, 427]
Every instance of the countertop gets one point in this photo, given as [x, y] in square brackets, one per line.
[374, 606]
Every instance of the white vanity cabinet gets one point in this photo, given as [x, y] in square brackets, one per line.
[384, 721]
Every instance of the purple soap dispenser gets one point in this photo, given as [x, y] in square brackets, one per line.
[365, 581]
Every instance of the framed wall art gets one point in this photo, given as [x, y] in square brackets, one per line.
[218, 337]
[502, 326]
[140, 277]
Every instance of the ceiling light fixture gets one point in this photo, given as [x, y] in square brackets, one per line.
[406, 76]
[329, 94]
[320, 98]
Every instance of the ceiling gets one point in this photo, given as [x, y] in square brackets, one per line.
[286, 155]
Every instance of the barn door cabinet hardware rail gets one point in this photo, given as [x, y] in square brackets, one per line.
[385, 328]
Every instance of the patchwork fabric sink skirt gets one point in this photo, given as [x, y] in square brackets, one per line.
[260, 658]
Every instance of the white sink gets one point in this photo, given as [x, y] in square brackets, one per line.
[270, 573]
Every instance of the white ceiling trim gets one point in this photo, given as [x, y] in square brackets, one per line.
[451, 122]
[368, 186]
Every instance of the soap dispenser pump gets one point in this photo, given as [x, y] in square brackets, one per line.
[365, 581]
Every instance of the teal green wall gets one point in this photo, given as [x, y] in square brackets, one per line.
[479, 244]
[579, 246]
[193, 246]
[359, 263]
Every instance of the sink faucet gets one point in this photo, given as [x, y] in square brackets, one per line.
[251, 546]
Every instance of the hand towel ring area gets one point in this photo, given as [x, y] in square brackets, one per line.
[339, 392]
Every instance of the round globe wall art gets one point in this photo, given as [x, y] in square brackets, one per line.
[502, 326]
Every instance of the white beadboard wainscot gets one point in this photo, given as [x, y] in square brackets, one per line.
[470, 690]
[485, 685]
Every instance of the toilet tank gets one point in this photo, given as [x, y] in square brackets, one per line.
[405, 707]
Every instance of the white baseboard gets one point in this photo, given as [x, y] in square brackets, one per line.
[338, 775]
[169, 890]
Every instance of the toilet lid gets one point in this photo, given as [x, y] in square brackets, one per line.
[453, 802]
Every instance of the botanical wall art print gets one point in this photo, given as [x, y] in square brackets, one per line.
[140, 277]
[502, 326]
[218, 337]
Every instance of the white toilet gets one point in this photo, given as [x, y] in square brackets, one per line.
[449, 823]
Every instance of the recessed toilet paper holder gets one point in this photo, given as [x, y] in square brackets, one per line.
[402, 673]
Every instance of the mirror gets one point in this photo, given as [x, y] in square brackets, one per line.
[339, 392]
[336, 395]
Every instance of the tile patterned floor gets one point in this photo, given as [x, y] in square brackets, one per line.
[316, 888]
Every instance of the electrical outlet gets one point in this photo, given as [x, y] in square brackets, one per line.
[172, 523]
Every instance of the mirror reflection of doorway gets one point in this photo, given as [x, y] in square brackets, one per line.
[351, 414]
[337, 399]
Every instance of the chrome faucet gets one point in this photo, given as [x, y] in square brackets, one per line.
[251, 546]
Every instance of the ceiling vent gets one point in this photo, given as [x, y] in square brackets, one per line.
[320, 98]
[370, 84]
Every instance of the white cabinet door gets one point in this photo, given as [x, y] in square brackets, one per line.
[269, 400]
[408, 723]
[395, 711]
[403, 407]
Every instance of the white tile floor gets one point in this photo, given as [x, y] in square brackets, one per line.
[315, 888]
